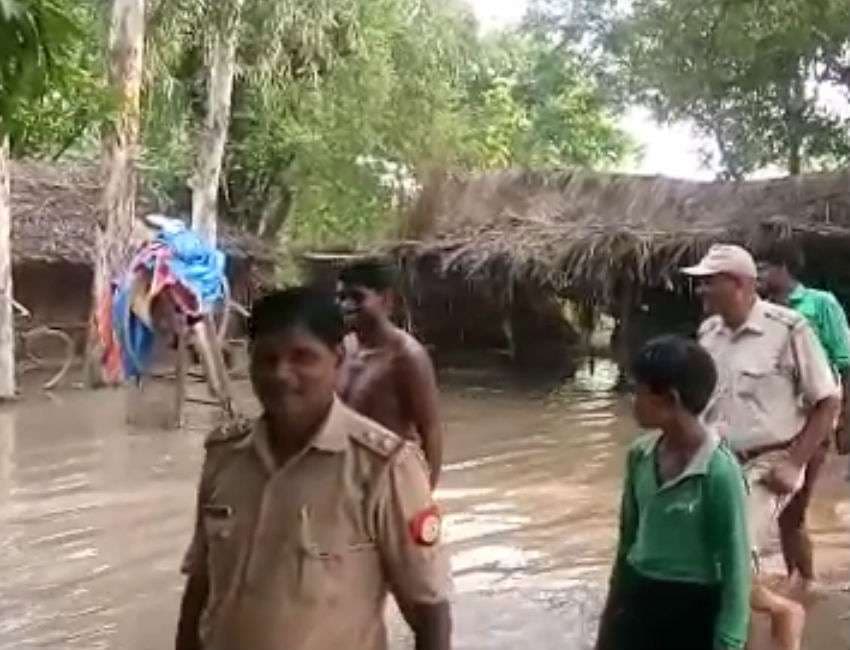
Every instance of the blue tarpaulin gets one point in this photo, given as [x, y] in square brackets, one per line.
[178, 260]
[195, 264]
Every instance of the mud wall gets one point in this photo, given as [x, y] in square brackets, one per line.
[542, 337]
[55, 292]
[656, 312]
[59, 294]
[464, 319]
[452, 312]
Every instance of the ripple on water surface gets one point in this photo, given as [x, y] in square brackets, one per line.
[94, 518]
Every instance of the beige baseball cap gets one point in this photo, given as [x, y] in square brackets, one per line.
[725, 258]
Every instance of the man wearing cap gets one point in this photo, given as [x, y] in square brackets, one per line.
[775, 403]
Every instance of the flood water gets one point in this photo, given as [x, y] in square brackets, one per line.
[94, 519]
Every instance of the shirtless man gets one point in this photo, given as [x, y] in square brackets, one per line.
[387, 374]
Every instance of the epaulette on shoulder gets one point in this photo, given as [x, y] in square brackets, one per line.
[230, 432]
[376, 439]
[709, 325]
[787, 317]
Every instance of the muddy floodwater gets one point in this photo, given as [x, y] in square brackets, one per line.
[94, 519]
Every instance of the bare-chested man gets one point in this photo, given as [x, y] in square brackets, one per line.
[387, 374]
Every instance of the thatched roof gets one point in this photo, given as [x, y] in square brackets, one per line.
[582, 231]
[54, 210]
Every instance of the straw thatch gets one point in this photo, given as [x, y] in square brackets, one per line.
[54, 211]
[581, 232]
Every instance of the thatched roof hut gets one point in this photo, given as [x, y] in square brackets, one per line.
[610, 242]
[54, 210]
[582, 233]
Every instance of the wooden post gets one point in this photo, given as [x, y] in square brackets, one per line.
[622, 346]
[219, 367]
[212, 361]
[7, 324]
[180, 379]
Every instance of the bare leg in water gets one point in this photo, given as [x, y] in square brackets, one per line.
[796, 542]
[787, 617]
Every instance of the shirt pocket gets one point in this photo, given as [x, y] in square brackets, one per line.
[329, 563]
[762, 384]
[749, 380]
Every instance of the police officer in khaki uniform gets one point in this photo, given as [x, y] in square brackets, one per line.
[309, 516]
[775, 402]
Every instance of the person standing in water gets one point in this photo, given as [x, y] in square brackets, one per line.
[308, 516]
[387, 374]
[782, 266]
[682, 574]
[775, 403]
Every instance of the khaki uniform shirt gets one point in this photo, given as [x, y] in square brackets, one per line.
[771, 372]
[301, 556]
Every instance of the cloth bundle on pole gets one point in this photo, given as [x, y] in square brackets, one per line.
[177, 267]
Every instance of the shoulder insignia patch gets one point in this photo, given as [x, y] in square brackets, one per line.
[786, 317]
[230, 432]
[709, 325]
[426, 527]
[384, 443]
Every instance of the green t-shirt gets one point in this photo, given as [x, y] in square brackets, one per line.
[691, 529]
[826, 317]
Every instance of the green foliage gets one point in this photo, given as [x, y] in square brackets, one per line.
[397, 98]
[744, 72]
[416, 88]
[537, 109]
[338, 107]
[49, 90]
[283, 45]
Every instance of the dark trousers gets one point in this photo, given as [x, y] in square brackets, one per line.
[663, 615]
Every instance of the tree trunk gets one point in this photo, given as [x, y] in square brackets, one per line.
[125, 51]
[795, 122]
[7, 327]
[222, 68]
[276, 209]
[795, 160]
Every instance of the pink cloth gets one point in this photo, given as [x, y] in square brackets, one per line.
[157, 255]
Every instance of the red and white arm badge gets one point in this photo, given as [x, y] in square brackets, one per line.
[425, 527]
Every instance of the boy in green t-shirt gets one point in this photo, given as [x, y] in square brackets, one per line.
[682, 575]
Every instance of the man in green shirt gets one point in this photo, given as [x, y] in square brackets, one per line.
[781, 267]
[682, 575]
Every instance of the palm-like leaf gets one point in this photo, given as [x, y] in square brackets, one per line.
[33, 36]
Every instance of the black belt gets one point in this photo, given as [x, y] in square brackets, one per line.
[746, 456]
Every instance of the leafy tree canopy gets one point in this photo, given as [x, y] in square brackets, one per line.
[338, 106]
[50, 78]
[746, 73]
